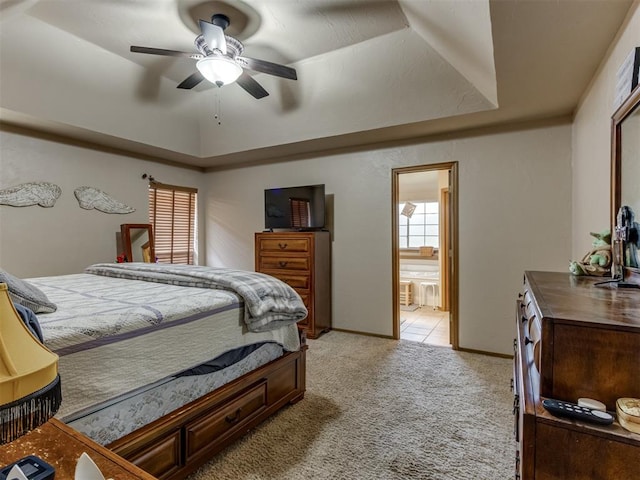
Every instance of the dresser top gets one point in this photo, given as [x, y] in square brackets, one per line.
[563, 296]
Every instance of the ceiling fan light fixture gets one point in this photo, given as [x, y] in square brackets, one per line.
[219, 70]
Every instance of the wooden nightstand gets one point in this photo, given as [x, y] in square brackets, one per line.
[61, 446]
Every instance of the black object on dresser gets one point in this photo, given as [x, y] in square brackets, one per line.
[574, 340]
[302, 260]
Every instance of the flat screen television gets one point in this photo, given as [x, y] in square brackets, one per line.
[294, 208]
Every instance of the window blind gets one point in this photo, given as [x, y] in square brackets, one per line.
[172, 213]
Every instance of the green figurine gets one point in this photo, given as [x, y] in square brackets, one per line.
[597, 261]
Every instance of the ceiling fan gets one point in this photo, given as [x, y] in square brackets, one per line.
[220, 59]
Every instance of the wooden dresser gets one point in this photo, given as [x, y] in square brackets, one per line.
[574, 340]
[303, 260]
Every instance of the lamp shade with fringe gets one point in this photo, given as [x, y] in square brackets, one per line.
[30, 391]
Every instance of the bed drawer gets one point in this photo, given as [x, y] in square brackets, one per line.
[284, 263]
[284, 244]
[205, 433]
[160, 459]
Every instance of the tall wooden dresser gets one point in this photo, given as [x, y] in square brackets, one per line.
[303, 260]
[574, 340]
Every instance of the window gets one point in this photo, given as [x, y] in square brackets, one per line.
[172, 213]
[421, 228]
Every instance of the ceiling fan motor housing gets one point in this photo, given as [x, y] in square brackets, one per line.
[234, 46]
[220, 20]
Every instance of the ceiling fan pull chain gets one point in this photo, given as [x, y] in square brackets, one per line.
[218, 114]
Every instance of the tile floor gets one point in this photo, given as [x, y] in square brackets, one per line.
[425, 325]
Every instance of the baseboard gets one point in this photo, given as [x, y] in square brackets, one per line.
[482, 352]
[390, 337]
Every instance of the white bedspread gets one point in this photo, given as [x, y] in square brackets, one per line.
[114, 335]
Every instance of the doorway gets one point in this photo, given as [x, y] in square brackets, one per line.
[424, 241]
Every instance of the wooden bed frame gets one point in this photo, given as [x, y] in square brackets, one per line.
[177, 444]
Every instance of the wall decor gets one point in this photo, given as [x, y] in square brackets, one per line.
[91, 197]
[44, 194]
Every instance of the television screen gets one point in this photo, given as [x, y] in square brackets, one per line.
[296, 208]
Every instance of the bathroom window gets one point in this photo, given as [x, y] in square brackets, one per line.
[420, 229]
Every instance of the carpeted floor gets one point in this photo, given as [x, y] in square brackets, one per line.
[383, 409]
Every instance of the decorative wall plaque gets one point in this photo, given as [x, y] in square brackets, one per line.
[44, 194]
[91, 198]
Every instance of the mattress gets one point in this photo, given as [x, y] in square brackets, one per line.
[108, 421]
[114, 335]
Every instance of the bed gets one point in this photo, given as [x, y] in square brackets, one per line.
[166, 365]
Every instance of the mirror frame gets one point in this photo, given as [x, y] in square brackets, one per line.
[630, 105]
[125, 232]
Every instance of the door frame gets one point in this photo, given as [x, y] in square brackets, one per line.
[453, 245]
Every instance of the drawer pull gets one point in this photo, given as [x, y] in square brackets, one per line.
[527, 340]
[282, 246]
[523, 318]
[282, 264]
[233, 418]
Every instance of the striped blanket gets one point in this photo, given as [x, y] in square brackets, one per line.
[269, 303]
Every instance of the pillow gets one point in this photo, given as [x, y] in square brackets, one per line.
[27, 294]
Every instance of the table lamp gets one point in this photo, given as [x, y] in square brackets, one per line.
[30, 391]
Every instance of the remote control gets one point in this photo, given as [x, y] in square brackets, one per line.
[573, 410]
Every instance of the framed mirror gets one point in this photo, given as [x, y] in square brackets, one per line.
[625, 185]
[137, 242]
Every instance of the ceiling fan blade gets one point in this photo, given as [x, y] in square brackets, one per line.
[251, 86]
[166, 53]
[267, 67]
[214, 36]
[191, 81]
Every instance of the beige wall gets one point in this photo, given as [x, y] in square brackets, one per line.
[37, 241]
[591, 157]
[527, 201]
[515, 206]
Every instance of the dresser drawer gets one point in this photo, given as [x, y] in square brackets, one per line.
[205, 433]
[284, 244]
[299, 282]
[284, 263]
[305, 298]
[532, 331]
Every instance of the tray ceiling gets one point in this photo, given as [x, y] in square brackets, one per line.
[368, 71]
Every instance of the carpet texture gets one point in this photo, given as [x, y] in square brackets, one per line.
[383, 409]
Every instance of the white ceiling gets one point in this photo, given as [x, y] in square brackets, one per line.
[368, 71]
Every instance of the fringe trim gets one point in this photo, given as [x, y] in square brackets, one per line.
[27, 413]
